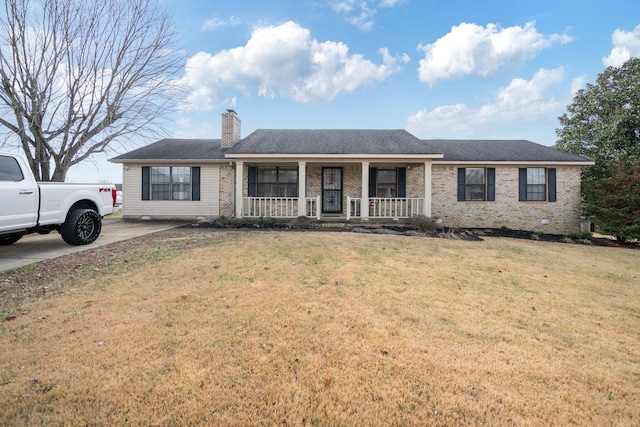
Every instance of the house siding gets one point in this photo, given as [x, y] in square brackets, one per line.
[506, 211]
[133, 207]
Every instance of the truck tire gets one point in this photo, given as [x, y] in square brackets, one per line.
[82, 226]
[10, 239]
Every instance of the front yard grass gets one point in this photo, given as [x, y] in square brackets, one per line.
[323, 328]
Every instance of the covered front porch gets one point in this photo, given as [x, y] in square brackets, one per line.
[324, 190]
[289, 207]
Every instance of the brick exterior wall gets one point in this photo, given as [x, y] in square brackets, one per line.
[507, 211]
[230, 128]
[314, 180]
[351, 180]
[415, 181]
[227, 190]
[563, 215]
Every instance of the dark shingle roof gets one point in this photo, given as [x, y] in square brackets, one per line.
[499, 151]
[329, 141]
[177, 149]
[349, 141]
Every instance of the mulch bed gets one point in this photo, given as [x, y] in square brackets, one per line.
[472, 234]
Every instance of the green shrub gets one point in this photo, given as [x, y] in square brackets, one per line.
[422, 223]
[266, 221]
[301, 222]
[585, 235]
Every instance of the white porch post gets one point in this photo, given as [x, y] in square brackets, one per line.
[364, 203]
[427, 189]
[239, 185]
[302, 188]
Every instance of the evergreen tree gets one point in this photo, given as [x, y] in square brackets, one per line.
[603, 123]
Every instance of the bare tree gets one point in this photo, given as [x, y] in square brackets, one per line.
[79, 75]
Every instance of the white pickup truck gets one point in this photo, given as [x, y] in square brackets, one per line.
[27, 206]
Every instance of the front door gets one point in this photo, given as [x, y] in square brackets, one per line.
[331, 190]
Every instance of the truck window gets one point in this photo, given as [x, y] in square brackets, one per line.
[10, 170]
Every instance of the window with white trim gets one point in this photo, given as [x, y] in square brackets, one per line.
[476, 184]
[388, 182]
[537, 184]
[273, 181]
[170, 183]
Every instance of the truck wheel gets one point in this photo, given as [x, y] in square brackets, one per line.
[9, 240]
[81, 227]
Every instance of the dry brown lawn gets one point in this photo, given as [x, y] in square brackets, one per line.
[328, 329]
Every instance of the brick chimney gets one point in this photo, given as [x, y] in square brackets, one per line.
[230, 128]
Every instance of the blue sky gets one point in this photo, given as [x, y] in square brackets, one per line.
[457, 69]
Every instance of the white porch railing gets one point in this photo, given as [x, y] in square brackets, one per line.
[313, 207]
[287, 207]
[279, 207]
[353, 207]
[274, 207]
[386, 207]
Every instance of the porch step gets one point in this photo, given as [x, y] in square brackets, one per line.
[341, 222]
[332, 218]
[333, 224]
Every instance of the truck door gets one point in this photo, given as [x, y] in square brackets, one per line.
[18, 197]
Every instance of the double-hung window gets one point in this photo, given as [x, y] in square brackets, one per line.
[170, 183]
[476, 184]
[537, 184]
[388, 183]
[273, 181]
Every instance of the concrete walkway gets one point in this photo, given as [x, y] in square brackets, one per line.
[34, 247]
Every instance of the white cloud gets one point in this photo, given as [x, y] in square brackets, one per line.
[521, 100]
[390, 3]
[578, 83]
[360, 13]
[213, 23]
[470, 49]
[343, 6]
[283, 61]
[626, 44]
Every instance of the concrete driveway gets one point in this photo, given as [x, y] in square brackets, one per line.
[35, 247]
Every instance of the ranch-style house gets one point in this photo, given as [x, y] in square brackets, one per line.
[354, 174]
